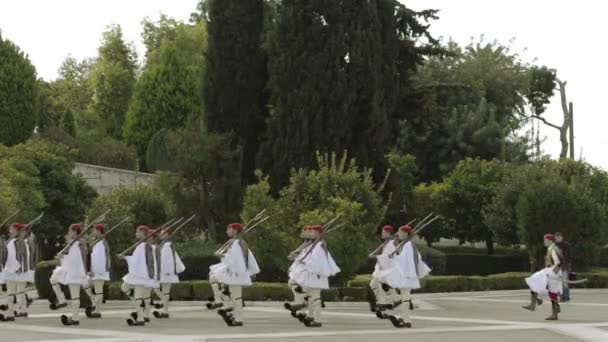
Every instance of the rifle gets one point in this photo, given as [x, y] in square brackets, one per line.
[112, 229]
[220, 251]
[180, 226]
[379, 248]
[224, 247]
[10, 217]
[323, 235]
[34, 221]
[416, 231]
[148, 236]
[83, 231]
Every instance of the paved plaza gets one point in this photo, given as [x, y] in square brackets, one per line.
[455, 317]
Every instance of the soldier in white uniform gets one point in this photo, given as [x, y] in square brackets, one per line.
[382, 292]
[140, 278]
[72, 274]
[100, 269]
[317, 266]
[300, 297]
[170, 266]
[548, 280]
[407, 268]
[227, 278]
[15, 273]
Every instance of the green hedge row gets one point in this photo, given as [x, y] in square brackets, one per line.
[478, 264]
[356, 290]
[434, 284]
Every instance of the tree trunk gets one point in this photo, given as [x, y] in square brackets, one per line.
[563, 129]
[563, 132]
[490, 245]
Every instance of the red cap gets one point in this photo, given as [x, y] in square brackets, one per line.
[388, 228]
[549, 237]
[142, 228]
[406, 229]
[100, 228]
[316, 228]
[235, 226]
[18, 226]
[75, 227]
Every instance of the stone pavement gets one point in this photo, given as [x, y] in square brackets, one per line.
[458, 317]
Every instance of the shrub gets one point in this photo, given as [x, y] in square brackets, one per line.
[337, 185]
[143, 203]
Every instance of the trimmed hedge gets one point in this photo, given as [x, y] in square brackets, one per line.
[604, 257]
[482, 251]
[477, 264]
[357, 289]
[433, 284]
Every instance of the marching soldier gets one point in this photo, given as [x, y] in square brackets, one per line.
[300, 298]
[566, 249]
[170, 266]
[547, 280]
[30, 240]
[100, 269]
[382, 292]
[317, 266]
[72, 273]
[407, 268]
[15, 273]
[227, 278]
[140, 278]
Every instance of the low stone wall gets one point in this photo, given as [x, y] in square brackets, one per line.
[107, 179]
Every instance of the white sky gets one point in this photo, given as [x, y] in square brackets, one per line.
[565, 35]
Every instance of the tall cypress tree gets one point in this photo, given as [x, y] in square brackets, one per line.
[234, 88]
[308, 82]
[18, 88]
[338, 72]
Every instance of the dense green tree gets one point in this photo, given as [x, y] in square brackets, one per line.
[234, 91]
[469, 188]
[207, 178]
[20, 186]
[154, 33]
[169, 90]
[66, 196]
[315, 196]
[470, 103]
[18, 97]
[67, 123]
[113, 80]
[338, 72]
[400, 185]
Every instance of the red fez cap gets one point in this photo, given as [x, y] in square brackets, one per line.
[18, 226]
[388, 228]
[75, 227]
[406, 229]
[549, 237]
[143, 228]
[317, 228]
[100, 228]
[235, 226]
